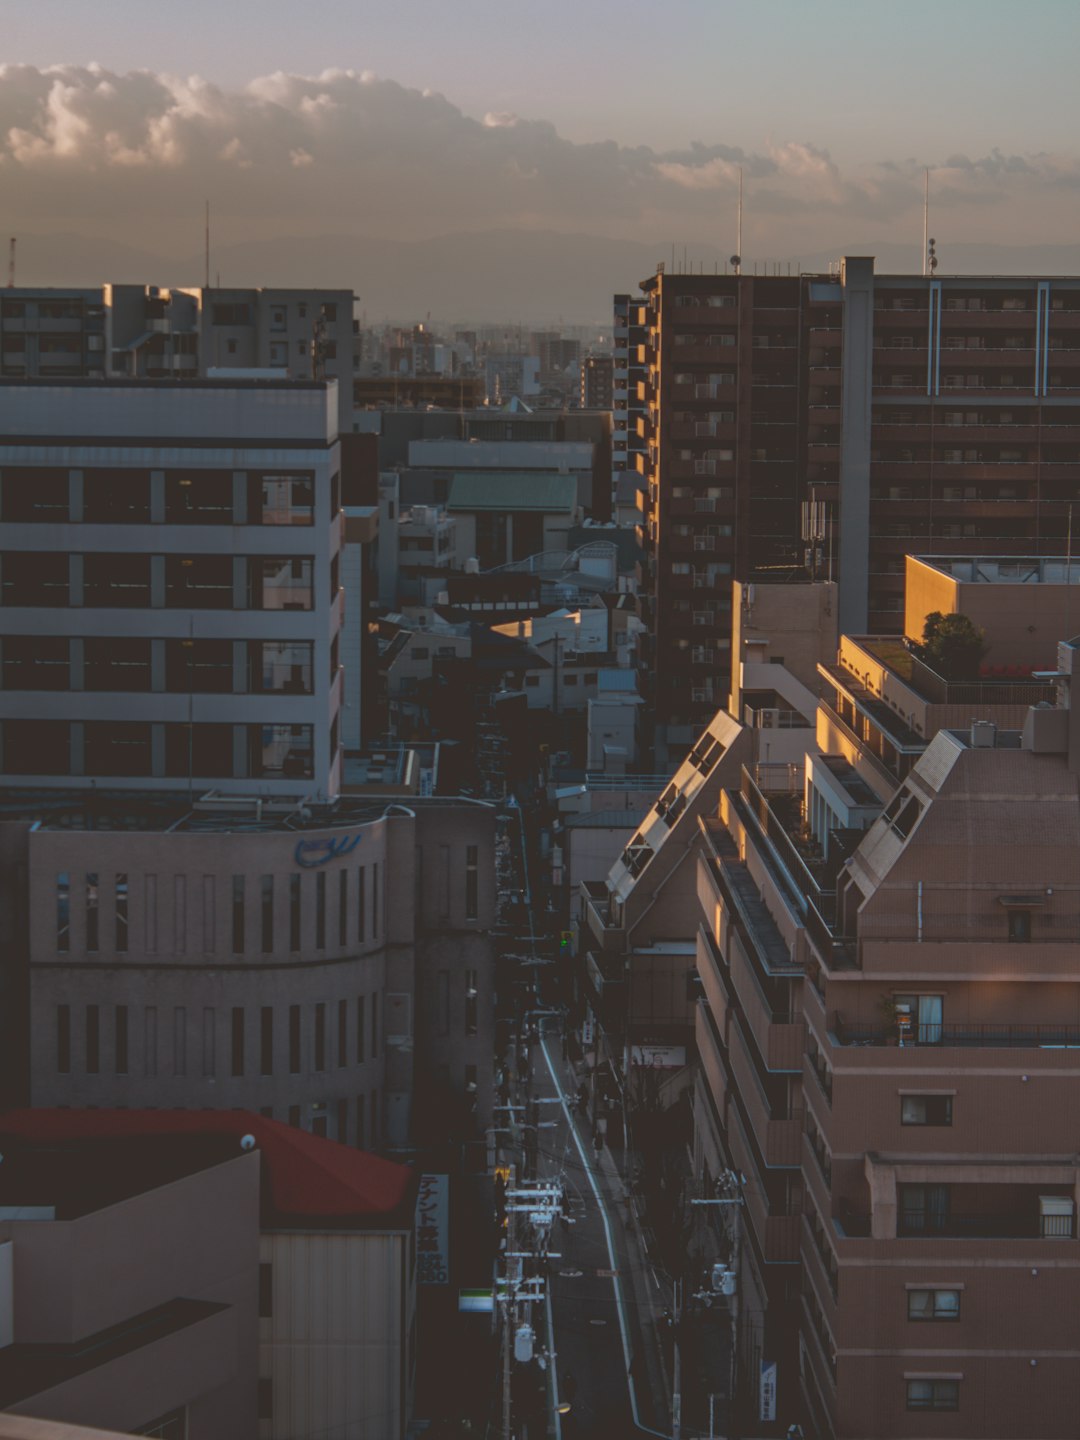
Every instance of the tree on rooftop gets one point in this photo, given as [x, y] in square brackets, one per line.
[952, 645]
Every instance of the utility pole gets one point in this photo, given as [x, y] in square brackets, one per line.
[676, 1399]
[729, 1188]
[509, 1294]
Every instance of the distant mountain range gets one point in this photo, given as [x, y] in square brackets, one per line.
[511, 276]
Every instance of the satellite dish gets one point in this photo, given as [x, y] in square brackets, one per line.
[735, 260]
[247, 1142]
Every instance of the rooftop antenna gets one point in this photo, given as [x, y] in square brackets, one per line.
[926, 218]
[207, 247]
[736, 259]
[11, 264]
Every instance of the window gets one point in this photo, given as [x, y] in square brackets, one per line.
[266, 1290]
[360, 1122]
[342, 1032]
[237, 1040]
[63, 1039]
[472, 876]
[924, 1209]
[63, 912]
[933, 1394]
[266, 1040]
[120, 1039]
[342, 1135]
[320, 1036]
[121, 892]
[926, 1109]
[361, 1038]
[238, 914]
[266, 1399]
[294, 1116]
[919, 1018]
[266, 901]
[294, 1039]
[179, 1040]
[471, 999]
[209, 1047]
[375, 902]
[343, 908]
[91, 936]
[933, 1304]
[1020, 926]
[360, 897]
[294, 912]
[93, 1040]
[375, 1117]
[375, 1027]
[320, 911]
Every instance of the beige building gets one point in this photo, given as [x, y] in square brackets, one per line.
[325, 965]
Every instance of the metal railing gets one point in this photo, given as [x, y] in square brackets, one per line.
[960, 1036]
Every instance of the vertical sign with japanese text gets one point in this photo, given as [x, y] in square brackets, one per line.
[433, 1230]
[767, 1391]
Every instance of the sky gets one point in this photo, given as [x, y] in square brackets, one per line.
[600, 117]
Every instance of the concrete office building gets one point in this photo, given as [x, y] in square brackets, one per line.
[916, 414]
[170, 587]
[328, 965]
[154, 332]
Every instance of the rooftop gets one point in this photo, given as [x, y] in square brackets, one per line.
[545, 491]
[150, 812]
[79, 1161]
[1005, 569]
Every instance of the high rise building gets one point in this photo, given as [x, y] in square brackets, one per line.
[906, 413]
[597, 382]
[171, 602]
[158, 333]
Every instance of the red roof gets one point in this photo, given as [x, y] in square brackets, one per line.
[308, 1176]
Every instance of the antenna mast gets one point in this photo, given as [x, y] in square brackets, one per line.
[925, 217]
[11, 264]
[738, 234]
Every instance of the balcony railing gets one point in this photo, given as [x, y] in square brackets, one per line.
[1006, 1225]
[961, 1036]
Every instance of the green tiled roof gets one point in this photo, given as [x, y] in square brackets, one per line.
[543, 490]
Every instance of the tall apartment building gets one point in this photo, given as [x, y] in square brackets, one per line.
[158, 333]
[628, 373]
[597, 382]
[921, 414]
[888, 972]
[170, 602]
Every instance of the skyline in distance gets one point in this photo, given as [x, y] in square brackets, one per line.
[590, 123]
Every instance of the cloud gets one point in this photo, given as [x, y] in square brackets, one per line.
[136, 154]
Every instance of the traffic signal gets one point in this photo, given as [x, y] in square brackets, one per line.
[566, 942]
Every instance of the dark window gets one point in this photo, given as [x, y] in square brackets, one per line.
[117, 748]
[266, 1290]
[63, 912]
[933, 1394]
[343, 1122]
[38, 662]
[205, 750]
[116, 664]
[238, 914]
[924, 1209]
[343, 1033]
[33, 495]
[361, 917]
[91, 936]
[1020, 926]
[294, 912]
[320, 1036]
[933, 1304]
[375, 1025]
[266, 1039]
[37, 747]
[360, 1122]
[266, 891]
[238, 1040]
[199, 582]
[926, 1109]
[294, 1116]
[471, 882]
[294, 1039]
[266, 1399]
[120, 1039]
[116, 497]
[63, 1039]
[93, 1040]
[34, 578]
[121, 906]
[199, 667]
[343, 908]
[374, 902]
[116, 581]
[320, 910]
[361, 1038]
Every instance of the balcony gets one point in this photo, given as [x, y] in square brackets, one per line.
[977, 1036]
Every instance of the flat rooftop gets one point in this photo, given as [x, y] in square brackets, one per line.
[1005, 569]
[80, 810]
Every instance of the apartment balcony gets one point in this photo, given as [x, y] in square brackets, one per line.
[971, 322]
[702, 354]
[945, 1036]
[596, 913]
